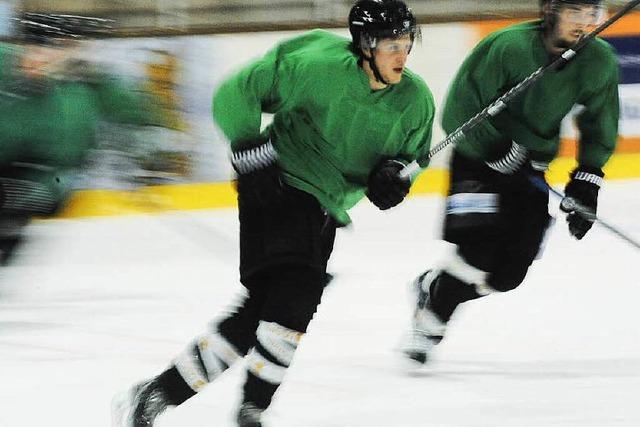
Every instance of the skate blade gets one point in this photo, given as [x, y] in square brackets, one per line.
[408, 365]
[411, 362]
[414, 369]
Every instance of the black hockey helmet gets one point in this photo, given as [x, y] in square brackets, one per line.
[49, 28]
[555, 4]
[372, 20]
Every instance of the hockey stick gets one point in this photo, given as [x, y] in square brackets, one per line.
[583, 211]
[501, 103]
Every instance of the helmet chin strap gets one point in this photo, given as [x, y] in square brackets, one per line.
[372, 64]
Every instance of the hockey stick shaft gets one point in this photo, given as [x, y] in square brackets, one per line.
[501, 103]
[586, 213]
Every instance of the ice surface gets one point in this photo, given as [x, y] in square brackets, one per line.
[93, 305]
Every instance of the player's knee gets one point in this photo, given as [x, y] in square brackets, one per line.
[508, 278]
[459, 266]
[510, 273]
[295, 294]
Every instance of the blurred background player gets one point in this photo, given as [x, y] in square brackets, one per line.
[494, 215]
[348, 116]
[51, 103]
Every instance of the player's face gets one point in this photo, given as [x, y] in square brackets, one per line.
[40, 60]
[36, 58]
[573, 22]
[391, 57]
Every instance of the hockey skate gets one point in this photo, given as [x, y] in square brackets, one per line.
[140, 405]
[427, 329]
[249, 415]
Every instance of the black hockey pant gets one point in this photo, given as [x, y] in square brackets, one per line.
[284, 251]
[498, 223]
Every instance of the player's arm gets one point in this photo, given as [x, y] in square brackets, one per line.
[14, 83]
[125, 102]
[385, 187]
[418, 141]
[6, 66]
[481, 79]
[598, 127]
[598, 122]
[501, 142]
[240, 100]
[238, 105]
[28, 190]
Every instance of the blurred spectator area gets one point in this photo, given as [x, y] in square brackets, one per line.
[151, 17]
[165, 17]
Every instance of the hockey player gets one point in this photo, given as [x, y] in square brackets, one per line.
[494, 215]
[50, 107]
[348, 116]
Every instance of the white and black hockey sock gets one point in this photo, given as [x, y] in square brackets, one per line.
[268, 361]
[201, 363]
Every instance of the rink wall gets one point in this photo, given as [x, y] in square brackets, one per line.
[206, 60]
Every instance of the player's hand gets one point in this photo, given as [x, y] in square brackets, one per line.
[582, 192]
[386, 188]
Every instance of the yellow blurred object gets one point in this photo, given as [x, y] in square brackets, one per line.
[91, 203]
[162, 76]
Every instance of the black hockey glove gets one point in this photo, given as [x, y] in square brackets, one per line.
[582, 190]
[256, 163]
[386, 188]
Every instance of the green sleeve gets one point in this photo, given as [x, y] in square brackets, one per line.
[478, 83]
[58, 182]
[10, 86]
[419, 140]
[423, 138]
[124, 103]
[240, 100]
[4, 70]
[598, 123]
[6, 64]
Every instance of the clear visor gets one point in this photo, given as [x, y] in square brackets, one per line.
[582, 14]
[393, 41]
[389, 46]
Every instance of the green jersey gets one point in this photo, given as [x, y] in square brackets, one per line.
[504, 59]
[329, 129]
[55, 127]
